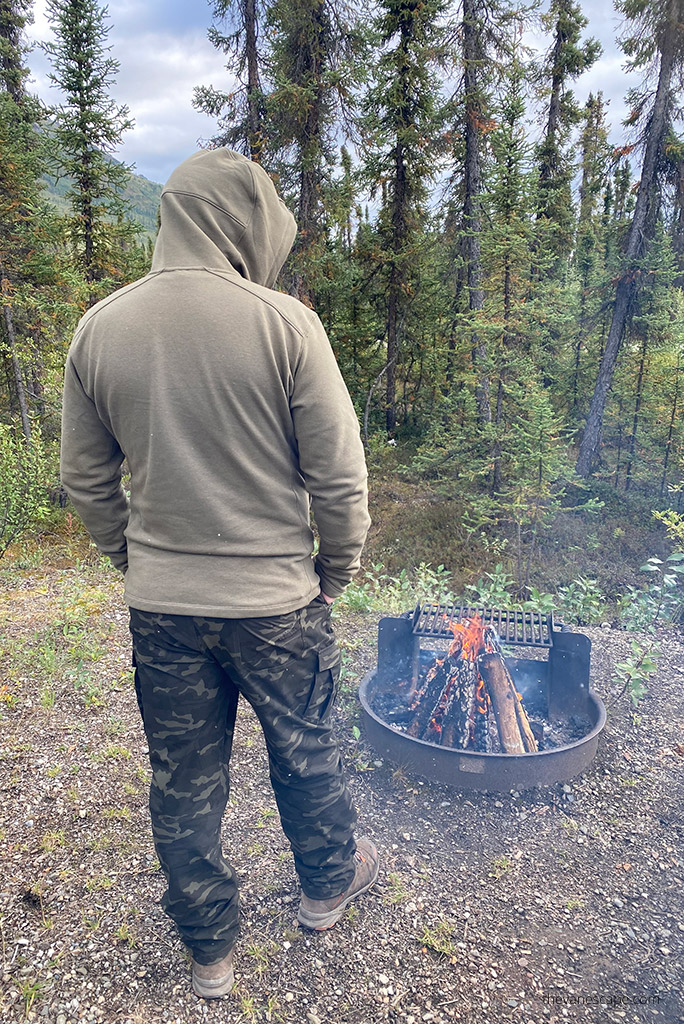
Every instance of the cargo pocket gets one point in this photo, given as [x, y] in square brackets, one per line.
[326, 679]
[283, 631]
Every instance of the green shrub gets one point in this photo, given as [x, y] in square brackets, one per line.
[657, 602]
[377, 590]
[494, 588]
[582, 601]
[24, 484]
[634, 673]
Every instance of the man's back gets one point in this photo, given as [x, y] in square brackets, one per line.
[227, 403]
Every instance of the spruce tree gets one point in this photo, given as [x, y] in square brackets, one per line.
[14, 14]
[590, 241]
[23, 221]
[506, 246]
[475, 122]
[566, 61]
[88, 127]
[239, 32]
[315, 65]
[401, 125]
[656, 46]
[484, 33]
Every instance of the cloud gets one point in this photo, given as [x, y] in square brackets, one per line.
[161, 72]
[158, 72]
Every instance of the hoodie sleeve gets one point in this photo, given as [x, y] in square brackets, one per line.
[91, 470]
[331, 460]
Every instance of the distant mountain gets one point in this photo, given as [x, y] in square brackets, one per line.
[143, 197]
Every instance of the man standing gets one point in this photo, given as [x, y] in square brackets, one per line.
[225, 399]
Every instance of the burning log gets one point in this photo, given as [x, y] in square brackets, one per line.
[452, 706]
[511, 721]
[426, 699]
[455, 731]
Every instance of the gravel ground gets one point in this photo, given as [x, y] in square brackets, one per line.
[555, 904]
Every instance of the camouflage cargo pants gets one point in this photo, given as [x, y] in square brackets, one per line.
[189, 674]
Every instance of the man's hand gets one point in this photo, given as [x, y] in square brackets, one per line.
[328, 600]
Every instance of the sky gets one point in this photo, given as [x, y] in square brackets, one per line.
[163, 53]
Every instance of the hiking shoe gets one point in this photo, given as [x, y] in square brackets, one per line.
[210, 981]
[321, 914]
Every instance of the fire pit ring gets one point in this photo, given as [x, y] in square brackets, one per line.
[562, 683]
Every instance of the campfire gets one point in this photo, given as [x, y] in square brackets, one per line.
[446, 703]
[467, 699]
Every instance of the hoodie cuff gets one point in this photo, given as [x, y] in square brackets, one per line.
[328, 586]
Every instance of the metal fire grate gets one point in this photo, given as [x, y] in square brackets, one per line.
[524, 629]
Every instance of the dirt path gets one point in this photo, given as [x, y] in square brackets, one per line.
[562, 904]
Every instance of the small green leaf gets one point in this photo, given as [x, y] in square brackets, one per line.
[356, 732]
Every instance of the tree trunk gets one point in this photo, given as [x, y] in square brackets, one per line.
[670, 433]
[312, 68]
[581, 334]
[635, 420]
[549, 167]
[256, 141]
[497, 450]
[392, 354]
[627, 284]
[619, 447]
[396, 282]
[472, 220]
[17, 375]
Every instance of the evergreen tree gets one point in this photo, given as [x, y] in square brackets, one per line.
[315, 65]
[476, 121]
[24, 222]
[14, 14]
[657, 44]
[506, 245]
[566, 60]
[401, 126]
[18, 193]
[485, 34]
[674, 175]
[240, 113]
[653, 343]
[590, 243]
[88, 127]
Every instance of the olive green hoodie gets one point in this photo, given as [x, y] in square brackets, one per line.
[226, 401]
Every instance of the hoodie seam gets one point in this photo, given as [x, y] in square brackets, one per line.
[239, 284]
[87, 317]
[209, 202]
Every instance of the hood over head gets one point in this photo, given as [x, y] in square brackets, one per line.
[220, 208]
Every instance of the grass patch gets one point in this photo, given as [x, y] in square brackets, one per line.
[439, 939]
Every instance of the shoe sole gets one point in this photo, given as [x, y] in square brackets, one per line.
[213, 988]
[322, 922]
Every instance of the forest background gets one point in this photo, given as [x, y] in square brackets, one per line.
[507, 314]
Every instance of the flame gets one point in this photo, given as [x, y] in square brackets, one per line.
[469, 638]
[481, 696]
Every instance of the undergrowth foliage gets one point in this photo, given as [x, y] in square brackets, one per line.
[580, 602]
[24, 484]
